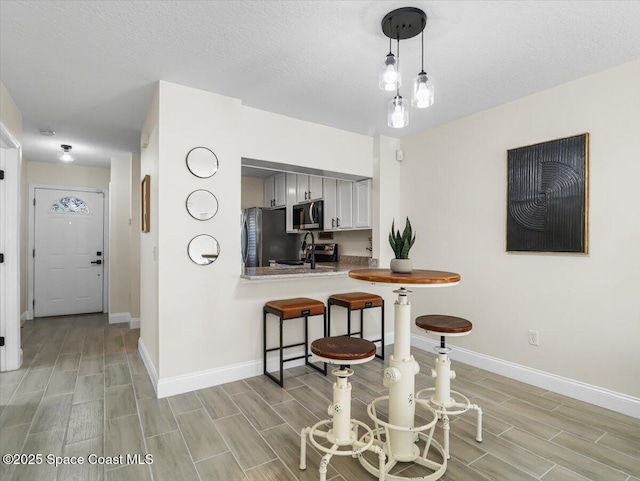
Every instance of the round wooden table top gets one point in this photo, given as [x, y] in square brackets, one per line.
[415, 277]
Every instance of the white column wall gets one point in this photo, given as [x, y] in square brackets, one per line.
[119, 239]
[149, 322]
[386, 196]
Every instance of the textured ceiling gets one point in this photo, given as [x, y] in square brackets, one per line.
[87, 69]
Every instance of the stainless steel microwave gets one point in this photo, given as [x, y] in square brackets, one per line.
[309, 216]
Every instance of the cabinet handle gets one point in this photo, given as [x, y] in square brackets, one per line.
[309, 194]
[333, 222]
[338, 222]
[306, 195]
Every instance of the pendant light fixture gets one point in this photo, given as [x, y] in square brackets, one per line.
[422, 93]
[390, 78]
[398, 114]
[64, 155]
[401, 24]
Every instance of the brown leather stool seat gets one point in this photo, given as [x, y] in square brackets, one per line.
[358, 301]
[442, 324]
[344, 350]
[285, 309]
[293, 308]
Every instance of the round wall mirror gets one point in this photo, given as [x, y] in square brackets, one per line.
[202, 204]
[203, 249]
[202, 162]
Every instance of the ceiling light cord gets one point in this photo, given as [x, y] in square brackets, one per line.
[422, 41]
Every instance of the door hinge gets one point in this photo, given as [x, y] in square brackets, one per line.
[2, 341]
[34, 201]
[34, 303]
[1, 174]
[34, 253]
[1, 258]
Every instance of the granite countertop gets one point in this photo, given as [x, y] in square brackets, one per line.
[323, 269]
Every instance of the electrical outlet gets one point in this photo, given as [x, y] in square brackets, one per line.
[533, 338]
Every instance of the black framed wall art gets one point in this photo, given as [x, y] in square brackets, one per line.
[547, 196]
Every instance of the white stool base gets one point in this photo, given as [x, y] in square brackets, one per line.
[420, 433]
[452, 408]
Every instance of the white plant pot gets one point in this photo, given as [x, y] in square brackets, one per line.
[401, 266]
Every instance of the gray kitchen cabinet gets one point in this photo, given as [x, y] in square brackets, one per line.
[309, 187]
[275, 191]
[291, 193]
[362, 207]
[338, 204]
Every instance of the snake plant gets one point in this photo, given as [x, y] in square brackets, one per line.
[401, 244]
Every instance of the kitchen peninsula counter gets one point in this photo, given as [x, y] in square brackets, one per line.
[322, 270]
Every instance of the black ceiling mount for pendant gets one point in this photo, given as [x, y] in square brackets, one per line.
[403, 23]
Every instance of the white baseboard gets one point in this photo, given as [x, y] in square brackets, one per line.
[605, 398]
[211, 377]
[119, 317]
[24, 317]
[235, 372]
[134, 323]
[151, 370]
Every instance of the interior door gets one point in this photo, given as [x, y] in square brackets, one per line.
[69, 250]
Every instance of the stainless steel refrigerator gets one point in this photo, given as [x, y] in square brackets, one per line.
[265, 238]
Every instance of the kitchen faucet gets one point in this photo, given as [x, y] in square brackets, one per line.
[313, 248]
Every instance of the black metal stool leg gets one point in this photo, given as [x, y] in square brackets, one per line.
[281, 350]
[264, 339]
[382, 333]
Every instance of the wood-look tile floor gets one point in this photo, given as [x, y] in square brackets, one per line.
[84, 390]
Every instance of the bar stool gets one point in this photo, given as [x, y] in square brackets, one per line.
[440, 400]
[285, 309]
[358, 301]
[342, 430]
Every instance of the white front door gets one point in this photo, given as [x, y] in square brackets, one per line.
[69, 252]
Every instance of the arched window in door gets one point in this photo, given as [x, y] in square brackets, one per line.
[73, 205]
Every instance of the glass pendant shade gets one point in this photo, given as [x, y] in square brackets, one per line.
[398, 113]
[64, 155]
[422, 93]
[390, 78]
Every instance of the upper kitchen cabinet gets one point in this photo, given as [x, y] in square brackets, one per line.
[362, 207]
[291, 187]
[309, 187]
[275, 190]
[338, 204]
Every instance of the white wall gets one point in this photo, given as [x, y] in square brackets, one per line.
[68, 174]
[11, 117]
[149, 326]
[208, 319]
[10, 113]
[134, 239]
[252, 192]
[276, 138]
[119, 239]
[351, 242]
[585, 307]
[386, 195]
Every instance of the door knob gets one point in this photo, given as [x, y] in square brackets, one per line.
[99, 262]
